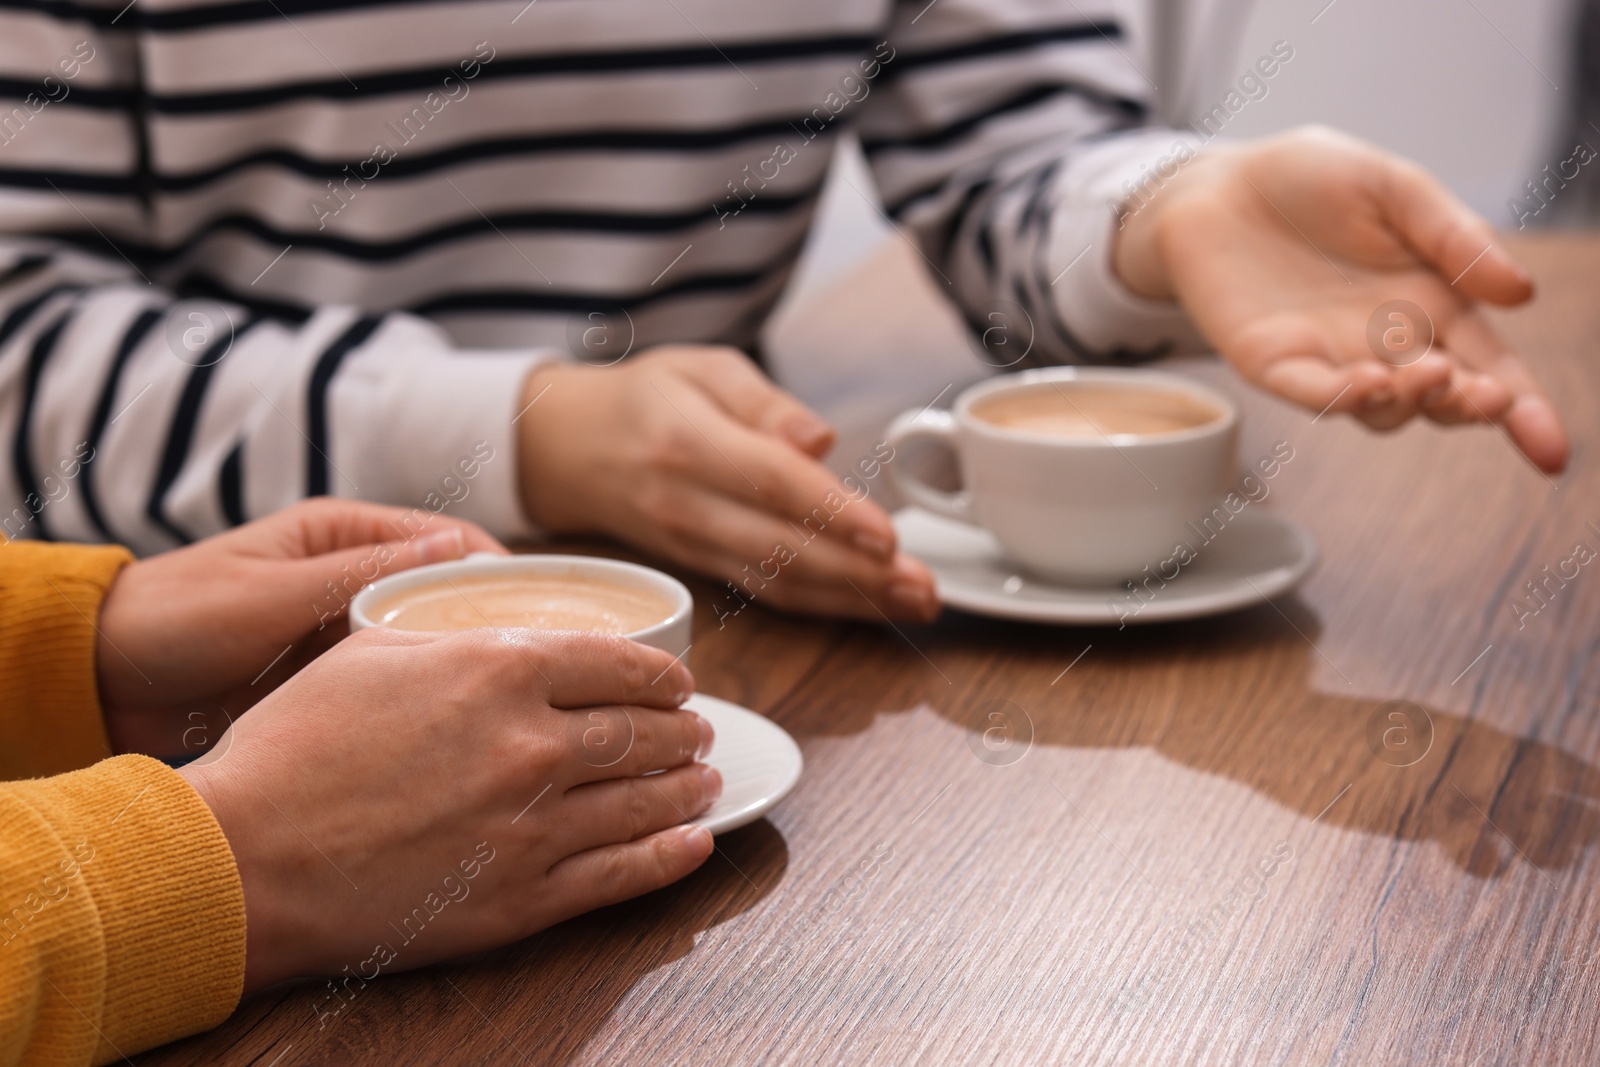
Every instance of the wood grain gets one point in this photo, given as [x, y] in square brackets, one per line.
[1199, 857]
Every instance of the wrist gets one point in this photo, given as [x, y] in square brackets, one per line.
[543, 441]
[114, 675]
[1150, 229]
[271, 941]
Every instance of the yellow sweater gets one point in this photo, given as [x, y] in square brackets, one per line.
[121, 913]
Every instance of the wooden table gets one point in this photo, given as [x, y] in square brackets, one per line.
[1209, 852]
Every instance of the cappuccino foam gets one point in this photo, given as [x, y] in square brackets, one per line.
[536, 601]
[1085, 410]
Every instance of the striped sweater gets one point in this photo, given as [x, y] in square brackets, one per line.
[259, 249]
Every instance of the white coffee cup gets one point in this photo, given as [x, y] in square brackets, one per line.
[1090, 510]
[671, 634]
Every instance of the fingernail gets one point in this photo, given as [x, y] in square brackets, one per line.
[1507, 263]
[916, 599]
[696, 838]
[907, 571]
[708, 737]
[1434, 395]
[873, 544]
[806, 430]
[441, 546]
[713, 783]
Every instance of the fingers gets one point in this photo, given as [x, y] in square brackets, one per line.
[328, 581]
[1471, 395]
[1450, 236]
[749, 396]
[1291, 355]
[327, 524]
[746, 465]
[1460, 245]
[792, 566]
[1505, 386]
[910, 596]
[1402, 397]
[619, 742]
[367, 562]
[1491, 384]
[1469, 377]
[1536, 428]
[1295, 365]
[614, 873]
[626, 809]
[590, 669]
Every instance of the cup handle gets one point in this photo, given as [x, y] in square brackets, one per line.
[927, 424]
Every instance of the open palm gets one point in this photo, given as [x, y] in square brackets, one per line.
[1345, 279]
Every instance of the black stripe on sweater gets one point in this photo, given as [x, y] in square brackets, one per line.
[410, 165]
[19, 315]
[132, 337]
[195, 284]
[661, 142]
[475, 226]
[230, 486]
[424, 80]
[74, 180]
[24, 268]
[193, 17]
[66, 11]
[937, 187]
[548, 65]
[944, 136]
[180, 435]
[318, 464]
[542, 300]
[1001, 44]
[261, 11]
[100, 99]
[22, 445]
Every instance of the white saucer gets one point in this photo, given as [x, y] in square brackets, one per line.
[758, 760]
[1257, 556]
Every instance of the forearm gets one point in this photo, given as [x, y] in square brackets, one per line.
[1017, 202]
[154, 422]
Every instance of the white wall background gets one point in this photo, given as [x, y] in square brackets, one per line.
[1469, 88]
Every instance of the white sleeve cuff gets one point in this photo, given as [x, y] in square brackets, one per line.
[1105, 181]
[411, 417]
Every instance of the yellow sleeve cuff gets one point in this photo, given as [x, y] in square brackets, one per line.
[50, 598]
[127, 923]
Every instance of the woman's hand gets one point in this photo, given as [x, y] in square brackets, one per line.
[409, 797]
[190, 639]
[1284, 251]
[690, 453]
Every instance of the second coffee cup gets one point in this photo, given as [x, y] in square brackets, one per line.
[1084, 475]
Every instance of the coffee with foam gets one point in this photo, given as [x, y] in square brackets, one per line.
[1094, 411]
[536, 601]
